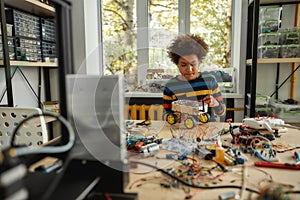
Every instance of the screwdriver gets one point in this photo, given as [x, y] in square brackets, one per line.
[295, 165]
[278, 165]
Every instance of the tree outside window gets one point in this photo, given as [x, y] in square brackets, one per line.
[209, 18]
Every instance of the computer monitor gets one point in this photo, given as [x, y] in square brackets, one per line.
[96, 109]
[98, 161]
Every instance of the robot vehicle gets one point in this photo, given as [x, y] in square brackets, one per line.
[188, 111]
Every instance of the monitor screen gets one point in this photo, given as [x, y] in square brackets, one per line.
[96, 109]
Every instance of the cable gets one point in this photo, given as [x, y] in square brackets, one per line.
[244, 182]
[192, 185]
[19, 151]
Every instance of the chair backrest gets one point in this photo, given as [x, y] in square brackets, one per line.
[31, 133]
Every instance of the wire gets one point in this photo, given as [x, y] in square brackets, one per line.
[19, 151]
[192, 185]
[244, 182]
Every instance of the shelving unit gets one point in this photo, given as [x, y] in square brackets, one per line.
[32, 6]
[31, 64]
[275, 60]
[252, 46]
[39, 9]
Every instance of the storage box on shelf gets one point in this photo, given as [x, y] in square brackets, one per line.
[48, 30]
[268, 39]
[289, 35]
[156, 79]
[28, 49]
[269, 26]
[269, 51]
[262, 102]
[9, 28]
[25, 25]
[10, 42]
[264, 18]
[48, 40]
[27, 34]
[11, 48]
[282, 44]
[290, 113]
[225, 78]
[290, 51]
[34, 36]
[269, 12]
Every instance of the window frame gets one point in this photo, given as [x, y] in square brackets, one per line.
[238, 40]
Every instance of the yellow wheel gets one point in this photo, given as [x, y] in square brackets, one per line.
[171, 119]
[189, 122]
[204, 117]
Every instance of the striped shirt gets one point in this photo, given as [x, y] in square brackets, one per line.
[196, 90]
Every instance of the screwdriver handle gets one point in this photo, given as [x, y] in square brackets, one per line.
[277, 165]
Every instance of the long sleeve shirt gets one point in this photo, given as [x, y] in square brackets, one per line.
[197, 89]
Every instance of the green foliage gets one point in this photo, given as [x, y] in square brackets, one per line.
[212, 20]
[209, 18]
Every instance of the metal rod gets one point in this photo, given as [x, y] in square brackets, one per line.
[285, 80]
[10, 101]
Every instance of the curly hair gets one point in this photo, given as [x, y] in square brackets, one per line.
[187, 45]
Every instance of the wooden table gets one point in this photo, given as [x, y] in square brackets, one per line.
[255, 176]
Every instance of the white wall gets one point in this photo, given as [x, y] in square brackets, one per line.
[23, 96]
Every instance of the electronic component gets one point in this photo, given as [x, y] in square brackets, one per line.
[268, 123]
[150, 148]
[204, 153]
[229, 195]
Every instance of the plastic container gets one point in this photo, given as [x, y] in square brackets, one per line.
[265, 39]
[290, 51]
[269, 12]
[271, 51]
[289, 36]
[269, 26]
[225, 78]
[289, 113]
[9, 29]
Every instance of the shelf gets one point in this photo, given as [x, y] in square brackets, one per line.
[278, 1]
[30, 64]
[275, 60]
[160, 95]
[32, 6]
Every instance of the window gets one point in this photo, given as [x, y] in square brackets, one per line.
[136, 34]
[119, 36]
[212, 20]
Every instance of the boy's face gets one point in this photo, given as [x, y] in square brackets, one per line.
[189, 66]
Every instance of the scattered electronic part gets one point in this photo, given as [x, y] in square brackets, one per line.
[144, 123]
[268, 123]
[229, 196]
[204, 153]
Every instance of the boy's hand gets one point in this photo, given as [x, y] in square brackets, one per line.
[211, 101]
